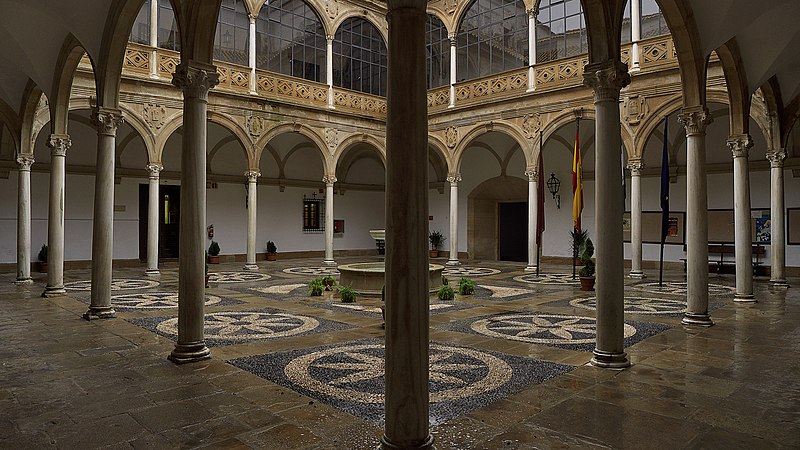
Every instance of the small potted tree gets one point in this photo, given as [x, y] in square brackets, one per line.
[272, 251]
[587, 271]
[42, 257]
[436, 239]
[577, 240]
[213, 253]
[316, 287]
[329, 282]
[348, 294]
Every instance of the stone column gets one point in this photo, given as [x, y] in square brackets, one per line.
[636, 34]
[636, 166]
[154, 39]
[24, 219]
[252, 208]
[106, 121]
[58, 143]
[329, 180]
[695, 120]
[195, 79]
[606, 79]
[740, 146]
[329, 70]
[777, 220]
[532, 13]
[252, 52]
[453, 67]
[533, 217]
[453, 179]
[407, 324]
[153, 200]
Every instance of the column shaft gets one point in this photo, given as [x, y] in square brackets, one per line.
[533, 218]
[252, 53]
[532, 12]
[453, 179]
[636, 34]
[777, 220]
[607, 79]
[636, 219]
[407, 324]
[695, 121]
[453, 67]
[329, 180]
[24, 219]
[106, 121]
[329, 70]
[252, 209]
[741, 212]
[58, 143]
[153, 200]
[154, 38]
[195, 79]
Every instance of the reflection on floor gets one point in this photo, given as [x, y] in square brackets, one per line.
[508, 365]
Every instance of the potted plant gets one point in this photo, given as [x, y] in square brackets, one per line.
[272, 251]
[316, 287]
[347, 293]
[466, 286]
[446, 293]
[213, 253]
[437, 240]
[42, 257]
[587, 271]
[328, 281]
[577, 239]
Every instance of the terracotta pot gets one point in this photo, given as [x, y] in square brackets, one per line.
[272, 256]
[213, 259]
[434, 253]
[587, 283]
[42, 267]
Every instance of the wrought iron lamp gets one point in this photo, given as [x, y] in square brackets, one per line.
[553, 184]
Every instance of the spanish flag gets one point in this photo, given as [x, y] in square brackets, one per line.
[577, 181]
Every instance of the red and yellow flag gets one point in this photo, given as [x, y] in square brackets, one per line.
[577, 181]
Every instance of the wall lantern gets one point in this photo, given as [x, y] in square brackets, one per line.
[553, 184]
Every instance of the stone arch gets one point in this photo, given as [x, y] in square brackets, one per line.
[304, 130]
[442, 16]
[133, 119]
[379, 25]
[502, 127]
[379, 146]
[241, 135]
[68, 59]
[739, 97]
[347, 154]
[439, 152]
[319, 10]
[692, 63]
[115, 41]
[482, 215]
[12, 122]
[28, 131]
[653, 120]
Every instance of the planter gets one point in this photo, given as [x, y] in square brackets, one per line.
[587, 283]
[213, 259]
[434, 253]
[42, 267]
[272, 256]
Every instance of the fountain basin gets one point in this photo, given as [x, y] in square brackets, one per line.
[368, 278]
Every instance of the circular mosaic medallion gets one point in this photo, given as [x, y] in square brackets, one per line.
[154, 300]
[312, 271]
[356, 372]
[538, 328]
[237, 277]
[548, 278]
[466, 271]
[247, 325]
[679, 288]
[638, 305]
[117, 284]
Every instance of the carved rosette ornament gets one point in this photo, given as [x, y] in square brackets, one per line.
[635, 166]
[695, 120]
[153, 171]
[533, 174]
[252, 175]
[451, 136]
[107, 120]
[329, 179]
[195, 79]
[776, 158]
[25, 162]
[606, 80]
[740, 145]
[59, 143]
[154, 115]
[453, 178]
[531, 124]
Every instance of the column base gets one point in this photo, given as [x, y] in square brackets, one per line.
[779, 283]
[27, 280]
[99, 312]
[386, 444]
[189, 353]
[637, 274]
[607, 360]
[744, 298]
[152, 273]
[329, 262]
[54, 291]
[531, 269]
[251, 267]
[697, 320]
[453, 262]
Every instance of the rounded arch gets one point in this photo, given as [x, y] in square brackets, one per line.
[379, 25]
[692, 63]
[354, 149]
[435, 143]
[176, 121]
[241, 135]
[133, 119]
[739, 97]
[304, 130]
[12, 122]
[360, 138]
[437, 159]
[115, 42]
[68, 58]
[502, 127]
[442, 16]
[563, 119]
[653, 120]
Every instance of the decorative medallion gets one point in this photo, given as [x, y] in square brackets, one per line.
[635, 108]
[117, 284]
[312, 271]
[638, 305]
[536, 328]
[531, 124]
[451, 136]
[154, 300]
[247, 325]
[331, 138]
[332, 8]
[548, 278]
[466, 271]
[256, 126]
[281, 289]
[237, 277]
[679, 288]
[154, 115]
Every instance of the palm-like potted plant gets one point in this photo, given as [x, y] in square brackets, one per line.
[436, 239]
[42, 257]
[213, 253]
[577, 239]
[587, 271]
[272, 251]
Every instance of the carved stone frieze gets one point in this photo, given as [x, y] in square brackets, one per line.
[740, 145]
[695, 120]
[154, 115]
[635, 108]
[606, 80]
[451, 136]
[531, 124]
[195, 79]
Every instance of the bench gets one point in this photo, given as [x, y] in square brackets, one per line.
[722, 258]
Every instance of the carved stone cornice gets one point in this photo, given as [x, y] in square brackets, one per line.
[59, 144]
[695, 120]
[153, 171]
[740, 145]
[252, 175]
[329, 179]
[453, 178]
[606, 80]
[195, 79]
[107, 120]
[635, 166]
[25, 162]
[533, 174]
[776, 158]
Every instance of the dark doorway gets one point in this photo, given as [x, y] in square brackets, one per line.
[169, 204]
[513, 231]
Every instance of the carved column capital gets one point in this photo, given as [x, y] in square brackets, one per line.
[453, 178]
[776, 158]
[740, 145]
[25, 162]
[533, 174]
[153, 171]
[532, 12]
[453, 39]
[329, 179]
[59, 143]
[195, 79]
[107, 120]
[606, 80]
[252, 175]
[695, 120]
[635, 166]
[329, 37]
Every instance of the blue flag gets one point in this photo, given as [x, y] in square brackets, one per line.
[665, 187]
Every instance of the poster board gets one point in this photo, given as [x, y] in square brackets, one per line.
[651, 227]
[721, 226]
[793, 226]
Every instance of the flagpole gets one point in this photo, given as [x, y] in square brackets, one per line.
[539, 217]
[664, 202]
